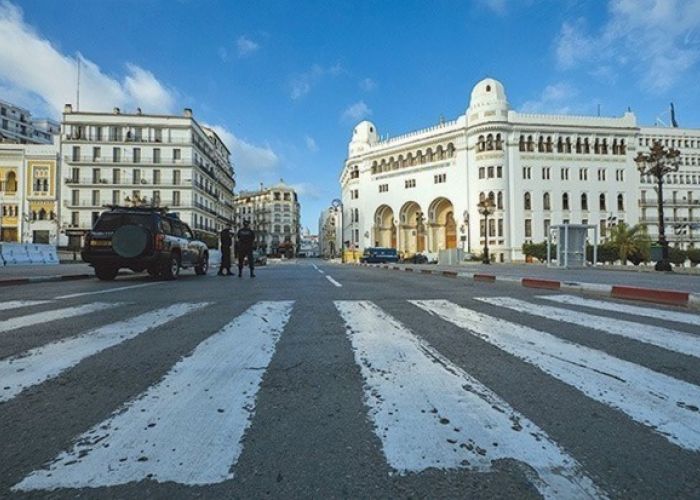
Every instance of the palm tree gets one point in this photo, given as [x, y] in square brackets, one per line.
[632, 243]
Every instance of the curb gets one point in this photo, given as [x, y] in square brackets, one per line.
[626, 292]
[44, 279]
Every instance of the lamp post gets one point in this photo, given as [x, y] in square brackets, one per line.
[657, 163]
[337, 206]
[419, 224]
[486, 208]
[465, 218]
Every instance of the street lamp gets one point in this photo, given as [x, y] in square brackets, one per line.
[465, 218]
[337, 206]
[659, 162]
[486, 208]
[419, 224]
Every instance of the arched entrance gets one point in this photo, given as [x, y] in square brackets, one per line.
[413, 228]
[443, 227]
[384, 227]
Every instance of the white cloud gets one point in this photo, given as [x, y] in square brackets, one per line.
[498, 6]
[356, 112]
[302, 83]
[246, 46]
[253, 163]
[311, 144]
[557, 98]
[31, 66]
[307, 190]
[654, 39]
[368, 84]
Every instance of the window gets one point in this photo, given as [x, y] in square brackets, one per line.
[528, 228]
[499, 202]
[500, 227]
[545, 202]
[116, 155]
[354, 194]
[546, 224]
[489, 172]
[620, 202]
[565, 201]
[528, 201]
[482, 172]
[156, 155]
[603, 227]
[176, 198]
[440, 178]
[527, 172]
[137, 155]
[95, 175]
[75, 197]
[74, 219]
[545, 173]
[136, 176]
[584, 201]
[115, 197]
[583, 174]
[410, 183]
[492, 228]
[177, 154]
[176, 177]
[383, 188]
[156, 177]
[96, 152]
[499, 172]
[620, 175]
[565, 174]
[95, 198]
[601, 202]
[601, 174]
[76, 153]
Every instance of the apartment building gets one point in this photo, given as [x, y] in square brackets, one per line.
[140, 159]
[17, 126]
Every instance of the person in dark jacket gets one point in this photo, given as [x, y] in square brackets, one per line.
[246, 240]
[226, 240]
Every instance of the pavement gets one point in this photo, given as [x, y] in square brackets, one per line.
[328, 381]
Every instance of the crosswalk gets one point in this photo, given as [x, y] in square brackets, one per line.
[426, 409]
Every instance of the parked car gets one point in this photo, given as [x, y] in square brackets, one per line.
[379, 255]
[260, 258]
[143, 239]
[416, 258]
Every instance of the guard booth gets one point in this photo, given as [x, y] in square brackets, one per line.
[571, 242]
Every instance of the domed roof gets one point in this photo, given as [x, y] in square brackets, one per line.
[488, 91]
[363, 131]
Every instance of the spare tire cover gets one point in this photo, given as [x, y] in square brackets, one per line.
[130, 241]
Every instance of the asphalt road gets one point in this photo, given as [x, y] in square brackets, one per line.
[329, 381]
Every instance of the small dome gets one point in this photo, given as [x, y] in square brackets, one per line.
[488, 91]
[363, 135]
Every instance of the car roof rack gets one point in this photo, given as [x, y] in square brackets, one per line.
[161, 210]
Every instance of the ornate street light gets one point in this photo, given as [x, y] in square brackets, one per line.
[337, 206]
[486, 208]
[419, 226]
[659, 162]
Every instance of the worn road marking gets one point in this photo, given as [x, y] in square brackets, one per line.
[16, 304]
[429, 413]
[188, 428]
[649, 312]
[333, 281]
[108, 290]
[46, 316]
[667, 405]
[49, 361]
[673, 340]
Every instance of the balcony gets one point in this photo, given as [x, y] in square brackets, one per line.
[125, 160]
[122, 139]
[670, 203]
[107, 182]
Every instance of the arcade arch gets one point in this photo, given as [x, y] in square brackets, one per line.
[384, 227]
[442, 225]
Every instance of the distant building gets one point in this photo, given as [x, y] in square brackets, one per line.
[329, 239]
[17, 126]
[274, 215]
[308, 246]
[419, 192]
[28, 192]
[140, 159]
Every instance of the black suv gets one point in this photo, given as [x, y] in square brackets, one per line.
[143, 239]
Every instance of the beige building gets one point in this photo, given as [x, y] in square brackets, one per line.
[140, 159]
[274, 215]
[28, 196]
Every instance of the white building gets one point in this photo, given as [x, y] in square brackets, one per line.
[133, 159]
[274, 214]
[419, 192]
[16, 125]
[308, 244]
[28, 194]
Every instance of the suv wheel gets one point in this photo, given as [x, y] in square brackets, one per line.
[172, 268]
[202, 268]
[106, 273]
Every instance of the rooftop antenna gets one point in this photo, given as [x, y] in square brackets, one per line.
[77, 92]
[674, 123]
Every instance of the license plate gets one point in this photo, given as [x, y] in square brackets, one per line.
[101, 243]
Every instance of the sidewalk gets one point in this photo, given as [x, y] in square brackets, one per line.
[664, 288]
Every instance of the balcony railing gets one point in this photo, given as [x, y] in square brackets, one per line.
[121, 182]
[670, 203]
[107, 138]
[111, 160]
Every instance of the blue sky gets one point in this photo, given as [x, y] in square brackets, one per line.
[284, 82]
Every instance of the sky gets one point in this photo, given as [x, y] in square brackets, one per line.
[284, 82]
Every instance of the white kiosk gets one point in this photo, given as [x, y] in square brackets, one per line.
[571, 245]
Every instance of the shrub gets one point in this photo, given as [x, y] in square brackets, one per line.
[677, 256]
[694, 256]
[539, 251]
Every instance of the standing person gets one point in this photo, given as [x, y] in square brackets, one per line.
[246, 239]
[226, 240]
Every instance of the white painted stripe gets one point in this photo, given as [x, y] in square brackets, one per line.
[673, 340]
[315, 266]
[16, 304]
[46, 362]
[46, 316]
[667, 405]
[333, 281]
[649, 312]
[321, 271]
[429, 413]
[188, 428]
[108, 290]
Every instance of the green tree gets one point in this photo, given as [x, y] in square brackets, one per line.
[631, 243]
[539, 251]
[677, 256]
[694, 256]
